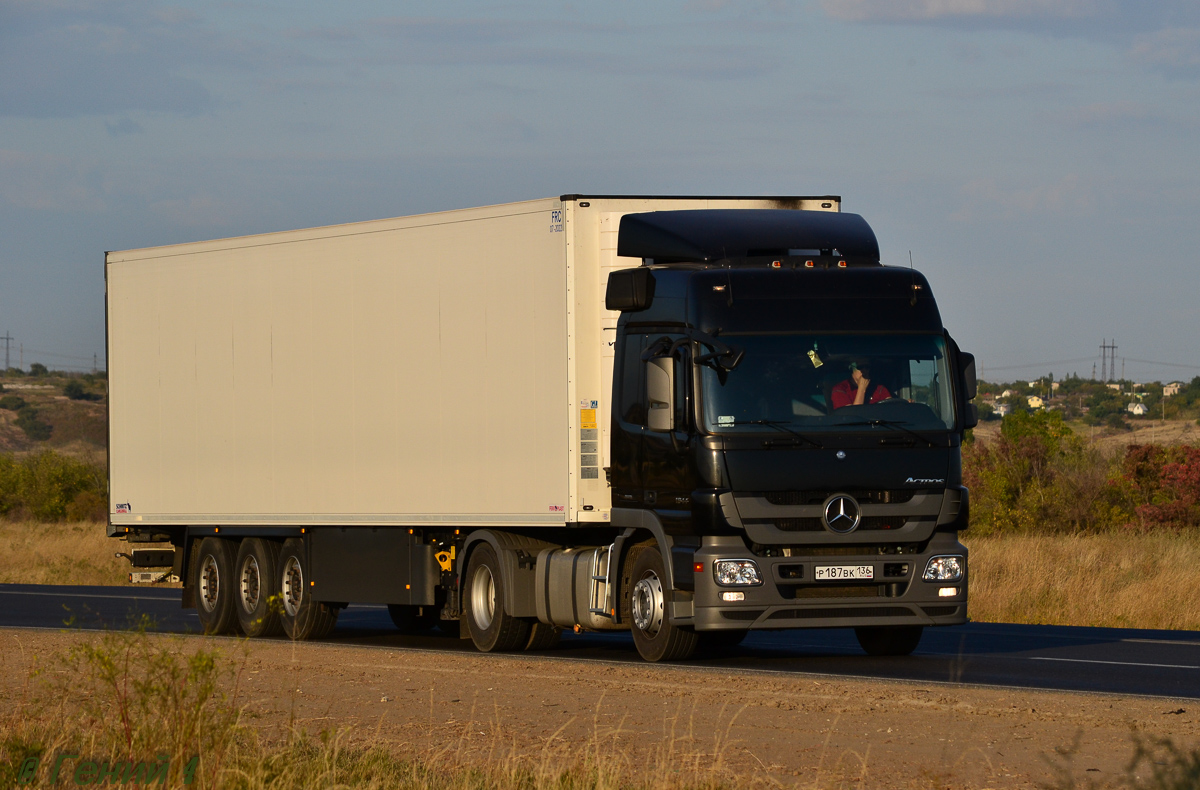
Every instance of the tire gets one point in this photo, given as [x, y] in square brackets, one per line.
[491, 628]
[543, 637]
[256, 588]
[302, 617]
[413, 619]
[653, 635]
[214, 585]
[889, 640]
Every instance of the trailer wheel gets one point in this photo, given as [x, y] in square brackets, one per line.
[214, 586]
[653, 635]
[302, 617]
[491, 627]
[889, 640]
[257, 602]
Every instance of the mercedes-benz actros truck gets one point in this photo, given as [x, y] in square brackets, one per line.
[686, 417]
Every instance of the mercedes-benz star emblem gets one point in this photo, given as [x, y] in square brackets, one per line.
[841, 514]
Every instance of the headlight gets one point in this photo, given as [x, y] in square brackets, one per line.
[944, 569]
[736, 572]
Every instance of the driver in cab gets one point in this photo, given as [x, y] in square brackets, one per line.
[858, 389]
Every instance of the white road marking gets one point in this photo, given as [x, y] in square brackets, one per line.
[1115, 663]
[89, 595]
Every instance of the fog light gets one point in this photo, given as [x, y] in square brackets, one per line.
[947, 592]
[944, 569]
[736, 572]
[733, 596]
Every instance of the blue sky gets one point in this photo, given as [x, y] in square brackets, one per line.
[1038, 158]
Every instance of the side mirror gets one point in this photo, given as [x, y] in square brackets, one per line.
[971, 418]
[660, 394]
[629, 290]
[970, 382]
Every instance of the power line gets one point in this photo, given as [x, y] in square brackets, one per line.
[1040, 364]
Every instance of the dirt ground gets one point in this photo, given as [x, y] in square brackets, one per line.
[772, 729]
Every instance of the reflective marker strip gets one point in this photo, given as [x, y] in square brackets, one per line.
[1115, 663]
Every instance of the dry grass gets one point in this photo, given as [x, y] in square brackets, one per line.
[135, 699]
[65, 553]
[1128, 580]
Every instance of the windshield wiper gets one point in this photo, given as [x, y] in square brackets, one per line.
[894, 425]
[779, 425]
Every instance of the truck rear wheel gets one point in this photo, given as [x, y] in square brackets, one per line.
[302, 617]
[653, 635]
[889, 640]
[491, 627]
[214, 586]
[254, 576]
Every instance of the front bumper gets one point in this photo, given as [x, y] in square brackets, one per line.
[790, 596]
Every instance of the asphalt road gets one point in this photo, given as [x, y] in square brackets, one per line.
[1112, 660]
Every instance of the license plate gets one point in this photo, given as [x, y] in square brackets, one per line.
[840, 572]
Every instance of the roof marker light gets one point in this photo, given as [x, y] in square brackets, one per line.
[841, 264]
[775, 264]
[808, 264]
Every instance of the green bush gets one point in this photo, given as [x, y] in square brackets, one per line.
[38, 369]
[47, 486]
[12, 402]
[1039, 476]
[34, 427]
[74, 390]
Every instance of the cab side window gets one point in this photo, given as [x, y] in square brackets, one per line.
[632, 403]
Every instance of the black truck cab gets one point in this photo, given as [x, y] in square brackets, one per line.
[793, 411]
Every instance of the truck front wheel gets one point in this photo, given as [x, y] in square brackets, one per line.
[491, 628]
[302, 617]
[214, 586]
[653, 635]
[889, 640]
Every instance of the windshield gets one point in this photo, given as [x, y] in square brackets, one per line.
[829, 382]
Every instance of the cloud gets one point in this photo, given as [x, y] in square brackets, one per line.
[1107, 114]
[986, 197]
[122, 126]
[930, 10]
[49, 183]
[1175, 51]
[75, 58]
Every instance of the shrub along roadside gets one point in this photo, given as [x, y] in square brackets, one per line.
[48, 486]
[1040, 477]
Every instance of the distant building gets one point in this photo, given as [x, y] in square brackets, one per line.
[1003, 409]
[1138, 408]
[1054, 385]
[1116, 387]
[1008, 393]
[1172, 389]
[1035, 402]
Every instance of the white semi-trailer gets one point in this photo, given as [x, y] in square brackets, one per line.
[420, 412]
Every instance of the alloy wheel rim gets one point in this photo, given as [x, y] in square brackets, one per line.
[483, 597]
[647, 604]
[210, 582]
[251, 584]
[293, 586]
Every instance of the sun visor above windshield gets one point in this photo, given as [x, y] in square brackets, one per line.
[704, 235]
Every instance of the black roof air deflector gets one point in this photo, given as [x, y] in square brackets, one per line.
[703, 235]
